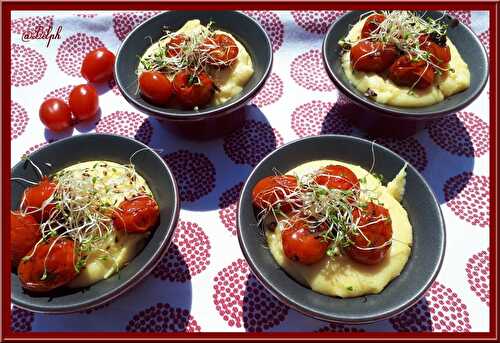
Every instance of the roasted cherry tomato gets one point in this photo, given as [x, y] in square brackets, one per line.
[174, 46]
[97, 66]
[272, 190]
[371, 24]
[222, 50]
[373, 57]
[302, 245]
[136, 215]
[337, 177]
[193, 89]
[155, 87]
[24, 233]
[439, 55]
[84, 102]
[406, 72]
[379, 234]
[51, 264]
[55, 114]
[35, 196]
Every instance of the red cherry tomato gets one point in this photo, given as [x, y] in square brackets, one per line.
[378, 234]
[272, 190]
[24, 233]
[155, 87]
[55, 114]
[371, 24]
[405, 72]
[337, 177]
[439, 55]
[46, 270]
[193, 89]
[136, 215]
[222, 50]
[35, 196]
[174, 46]
[301, 245]
[373, 57]
[97, 66]
[84, 102]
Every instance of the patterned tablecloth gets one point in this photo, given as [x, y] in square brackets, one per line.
[203, 283]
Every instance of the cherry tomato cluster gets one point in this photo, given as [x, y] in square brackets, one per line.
[83, 101]
[404, 70]
[190, 87]
[46, 263]
[304, 243]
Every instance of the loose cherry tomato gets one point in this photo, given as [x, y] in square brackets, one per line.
[46, 270]
[155, 87]
[193, 89]
[84, 102]
[301, 245]
[222, 50]
[439, 55]
[378, 234]
[405, 72]
[337, 177]
[174, 46]
[24, 233]
[374, 57]
[35, 196]
[371, 24]
[272, 190]
[97, 66]
[136, 215]
[55, 114]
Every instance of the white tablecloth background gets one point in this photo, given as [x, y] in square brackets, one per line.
[212, 293]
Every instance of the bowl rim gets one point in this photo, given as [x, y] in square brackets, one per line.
[395, 111]
[281, 296]
[143, 271]
[209, 112]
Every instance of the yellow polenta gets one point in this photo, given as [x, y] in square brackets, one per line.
[230, 80]
[120, 247]
[391, 94]
[342, 276]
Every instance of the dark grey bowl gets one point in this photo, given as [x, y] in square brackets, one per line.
[87, 147]
[419, 201]
[212, 119]
[389, 120]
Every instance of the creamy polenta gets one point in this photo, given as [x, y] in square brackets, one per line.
[341, 276]
[229, 80]
[118, 247]
[387, 92]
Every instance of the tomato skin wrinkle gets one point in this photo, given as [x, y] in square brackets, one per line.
[368, 56]
[24, 233]
[55, 259]
[337, 177]
[97, 66]
[193, 89]
[84, 102]
[377, 228]
[155, 87]
[371, 24]
[272, 190]
[136, 215]
[222, 50]
[35, 196]
[300, 245]
[407, 72]
[55, 114]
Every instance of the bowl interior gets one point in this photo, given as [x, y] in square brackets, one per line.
[469, 46]
[118, 149]
[419, 202]
[244, 28]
